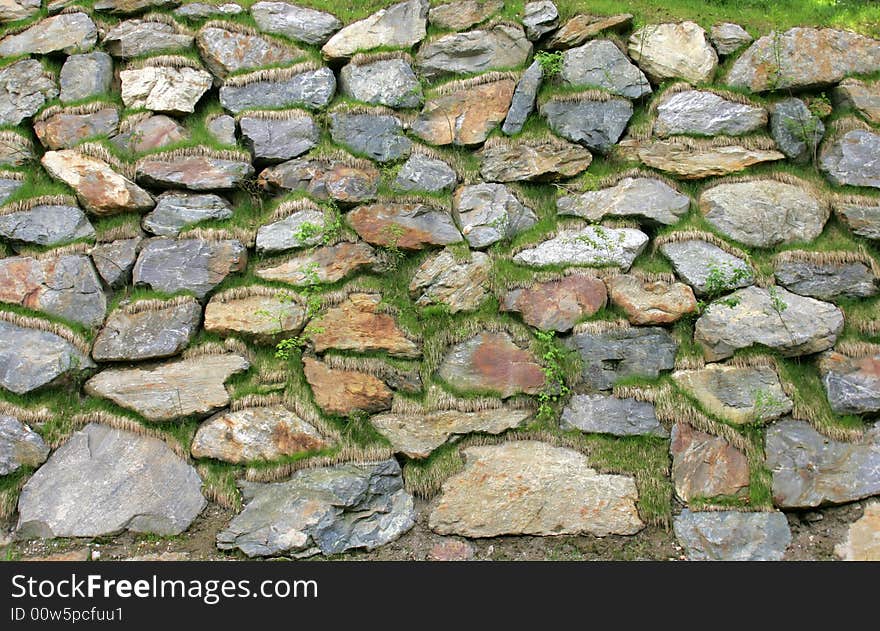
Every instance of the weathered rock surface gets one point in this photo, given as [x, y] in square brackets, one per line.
[591, 246]
[523, 101]
[137, 37]
[829, 280]
[559, 304]
[421, 173]
[264, 317]
[327, 264]
[852, 384]
[457, 16]
[222, 128]
[651, 301]
[399, 26]
[45, 224]
[344, 392]
[499, 47]
[674, 51]
[863, 539]
[691, 161]
[796, 130]
[312, 89]
[596, 124]
[475, 110]
[16, 150]
[695, 261]
[632, 196]
[32, 358]
[501, 491]
[733, 535]
[540, 17]
[175, 211]
[115, 260]
[408, 226]
[193, 265]
[273, 139]
[69, 33]
[24, 88]
[20, 446]
[228, 50]
[862, 218]
[133, 334]
[810, 469]
[164, 89]
[531, 160]
[171, 390]
[729, 37]
[194, 171]
[705, 466]
[299, 229]
[461, 286]
[86, 75]
[601, 64]
[129, 7]
[377, 136]
[149, 133]
[381, 81]
[862, 96]
[13, 10]
[582, 27]
[853, 159]
[604, 414]
[705, 113]
[488, 213]
[302, 24]
[792, 325]
[323, 179]
[66, 129]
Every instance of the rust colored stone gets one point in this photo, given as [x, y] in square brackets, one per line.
[345, 391]
[557, 305]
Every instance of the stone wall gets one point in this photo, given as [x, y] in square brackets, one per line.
[436, 270]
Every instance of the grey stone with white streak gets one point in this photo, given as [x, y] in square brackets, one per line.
[176, 210]
[852, 159]
[193, 265]
[389, 82]
[200, 10]
[24, 88]
[540, 18]
[827, 281]
[278, 140]
[707, 114]
[312, 89]
[632, 196]
[115, 260]
[47, 225]
[733, 535]
[31, 358]
[153, 333]
[592, 246]
[488, 213]
[290, 232]
[425, 174]
[695, 261]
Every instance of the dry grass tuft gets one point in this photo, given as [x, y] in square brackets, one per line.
[79, 342]
[24, 205]
[272, 75]
[157, 304]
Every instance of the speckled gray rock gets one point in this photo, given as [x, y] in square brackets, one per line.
[632, 196]
[32, 358]
[694, 261]
[400, 25]
[230, 50]
[729, 37]
[201, 10]
[290, 232]
[853, 159]
[114, 260]
[733, 535]
[539, 18]
[135, 38]
[312, 89]
[323, 510]
[706, 114]
[790, 324]
[20, 446]
[421, 173]
[858, 95]
[827, 281]
[380, 137]
[380, 81]
[460, 285]
[601, 64]
[176, 210]
[222, 128]
[69, 33]
[164, 88]
[488, 213]
[86, 75]
[532, 159]
[103, 481]
[133, 334]
[523, 102]
[499, 47]
[604, 414]
[592, 246]
[851, 383]
[609, 355]
[810, 469]
[193, 265]
[796, 130]
[272, 139]
[46, 224]
[595, 124]
[298, 23]
[24, 88]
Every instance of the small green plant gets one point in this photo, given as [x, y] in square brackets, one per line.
[306, 231]
[765, 405]
[554, 376]
[391, 235]
[551, 62]
[778, 304]
[723, 277]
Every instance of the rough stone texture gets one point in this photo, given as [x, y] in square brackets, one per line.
[863, 219]
[24, 89]
[651, 301]
[298, 23]
[501, 492]
[674, 51]
[531, 160]
[827, 281]
[312, 89]
[8, 186]
[13, 10]
[408, 226]
[604, 414]
[706, 114]
[189, 264]
[764, 213]
[792, 325]
[796, 130]
[265, 318]
[16, 150]
[277, 140]
[327, 264]
[290, 232]
[492, 363]
[421, 173]
[137, 38]
[692, 163]
[323, 179]
[100, 189]
[64, 285]
[357, 325]
[810, 469]
[601, 64]
[324, 510]
[852, 384]
[466, 116]
[623, 352]
[153, 132]
[582, 27]
[389, 82]
[64, 130]
[379, 137]
[164, 89]
[488, 213]
[853, 159]
[457, 16]
[500, 47]
[171, 390]
[631, 196]
[399, 26]
[84, 76]
[862, 96]
[32, 358]
[103, 481]
[523, 102]
[175, 210]
[694, 261]
[20, 446]
[115, 260]
[557, 305]
[590, 246]
[729, 37]
[258, 433]
[737, 394]
[704, 465]
[804, 58]
[461, 286]
[69, 33]
[540, 17]
[46, 224]
[344, 392]
[733, 535]
[162, 331]
[193, 172]
[597, 125]
[863, 539]
[226, 51]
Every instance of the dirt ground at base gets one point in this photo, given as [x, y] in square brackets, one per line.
[815, 533]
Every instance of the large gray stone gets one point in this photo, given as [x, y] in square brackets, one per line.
[596, 124]
[421, 173]
[380, 81]
[380, 137]
[86, 75]
[24, 88]
[103, 481]
[697, 261]
[523, 102]
[632, 196]
[323, 178]
[230, 50]
[796, 130]
[851, 383]
[532, 160]
[592, 246]
[134, 332]
[193, 265]
[20, 446]
[312, 89]
[694, 112]
[827, 280]
[401, 25]
[733, 535]
[176, 210]
[69, 33]
[539, 18]
[222, 128]
[31, 358]
[488, 213]
[601, 64]
[149, 132]
[674, 50]
[136, 38]
[194, 170]
[298, 23]
[500, 47]
[604, 414]
[115, 259]
[276, 139]
[853, 159]
[46, 224]
[322, 511]
[298, 230]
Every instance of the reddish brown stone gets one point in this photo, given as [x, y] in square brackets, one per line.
[63, 130]
[153, 132]
[557, 305]
[704, 465]
[345, 391]
[651, 302]
[193, 172]
[580, 28]
[466, 116]
[323, 179]
[404, 226]
[324, 264]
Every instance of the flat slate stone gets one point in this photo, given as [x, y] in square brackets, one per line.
[827, 281]
[132, 333]
[596, 124]
[593, 246]
[498, 47]
[272, 139]
[460, 285]
[851, 383]
[312, 89]
[604, 414]
[421, 173]
[194, 265]
[733, 535]
[326, 264]
[69, 33]
[24, 89]
[377, 136]
[645, 197]
[302, 24]
[600, 64]
[84, 76]
[400, 25]
[31, 358]
[176, 210]
[20, 446]
[696, 260]
[705, 113]
[408, 226]
[115, 260]
[344, 392]
[46, 225]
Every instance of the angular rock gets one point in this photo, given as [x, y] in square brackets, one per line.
[790, 324]
[66, 129]
[862, 96]
[172, 390]
[810, 469]
[705, 113]
[733, 535]
[194, 170]
[863, 538]
[636, 195]
[165, 89]
[851, 383]
[358, 325]
[193, 265]
[530, 160]
[401, 25]
[421, 173]
[103, 481]
[737, 394]
[324, 510]
[115, 260]
[705, 466]
[492, 363]
[407, 226]
[46, 224]
[298, 23]
[84, 76]
[862, 218]
[136, 332]
[501, 491]
[24, 88]
[344, 392]
[523, 102]
[475, 109]
[222, 128]
[136, 38]
[229, 50]
[557, 305]
[764, 213]
[297, 86]
[690, 160]
[604, 414]
[596, 124]
[460, 286]
[175, 211]
[380, 81]
[345, 182]
[379, 137]
[593, 246]
[63, 285]
[829, 280]
[257, 433]
[457, 16]
[697, 261]
[300, 229]
[674, 51]
[796, 130]
[69, 33]
[729, 37]
[582, 27]
[600, 64]
[540, 18]
[20, 446]
[488, 213]
[804, 58]
[853, 159]
[31, 358]
[276, 139]
[263, 316]
[499, 47]
[149, 133]
[651, 301]
[14, 10]
[327, 264]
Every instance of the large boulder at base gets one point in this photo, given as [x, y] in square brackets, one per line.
[84, 76]
[678, 50]
[344, 392]
[381, 80]
[650, 301]
[863, 538]
[24, 88]
[605, 414]
[103, 481]
[20, 446]
[704, 113]
[304, 85]
[810, 469]
[379, 137]
[499, 47]
[175, 210]
[194, 265]
[229, 50]
[696, 261]
[326, 264]
[476, 108]
[557, 305]
[851, 383]
[704, 465]
[302, 24]
[601, 64]
[805, 273]
[632, 196]
[401, 25]
[530, 160]
[172, 390]
[523, 102]
[790, 324]
[852, 159]
[404, 225]
[593, 246]
[31, 358]
[324, 510]
[69, 33]
[532, 488]
[595, 123]
[459, 285]
[732, 535]
[166, 89]
[488, 213]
